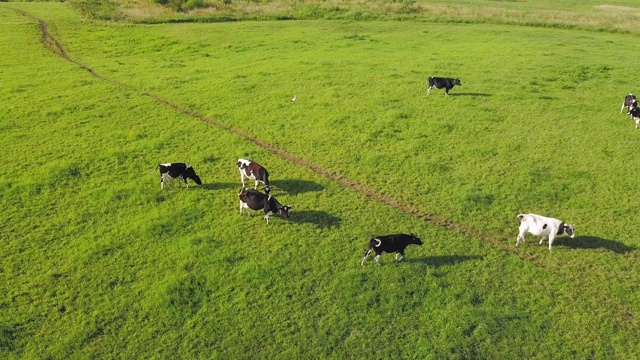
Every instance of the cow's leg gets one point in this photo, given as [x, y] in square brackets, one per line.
[244, 206]
[266, 217]
[542, 239]
[255, 187]
[399, 255]
[520, 238]
[551, 237]
[377, 258]
[622, 108]
[164, 179]
[242, 179]
[637, 119]
[446, 91]
[428, 90]
[366, 255]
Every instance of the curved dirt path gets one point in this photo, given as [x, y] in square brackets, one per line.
[56, 47]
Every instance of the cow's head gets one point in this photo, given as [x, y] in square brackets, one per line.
[416, 240]
[285, 211]
[457, 82]
[267, 188]
[196, 178]
[569, 230]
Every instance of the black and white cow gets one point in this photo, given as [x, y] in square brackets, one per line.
[443, 83]
[179, 171]
[629, 103]
[255, 200]
[390, 243]
[542, 226]
[254, 171]
[635, 115]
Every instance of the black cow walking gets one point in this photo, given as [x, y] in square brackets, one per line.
[390, 243]
[442, 83]
[179, 171]
[255, 200]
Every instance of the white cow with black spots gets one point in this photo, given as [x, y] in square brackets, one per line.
[543, 226]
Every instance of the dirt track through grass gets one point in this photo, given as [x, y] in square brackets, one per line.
[56, 47]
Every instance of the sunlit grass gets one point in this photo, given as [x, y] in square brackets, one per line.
[99, 263]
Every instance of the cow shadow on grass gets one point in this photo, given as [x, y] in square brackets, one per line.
[320, 219]
[437, 261]
[220, 186]
[593, 242]
[471, 94]
[296, 186]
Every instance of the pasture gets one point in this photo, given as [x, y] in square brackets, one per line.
[97, 262]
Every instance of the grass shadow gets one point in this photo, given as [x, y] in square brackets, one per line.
[220, 186]
[296, 186]
[318, 218]
[594, 242]
[437, 261]
[471, 94]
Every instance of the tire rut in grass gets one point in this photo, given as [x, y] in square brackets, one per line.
[57, 48]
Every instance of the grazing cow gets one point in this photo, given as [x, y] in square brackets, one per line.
[255, 171]
[179, 171]
[542, 226]
[390, 243]
[635, 115]
[255, 200]
[630, 102]
[443, 83]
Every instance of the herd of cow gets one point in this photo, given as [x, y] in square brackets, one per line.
[252, 199]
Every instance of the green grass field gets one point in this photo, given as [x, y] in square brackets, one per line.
[97, 262]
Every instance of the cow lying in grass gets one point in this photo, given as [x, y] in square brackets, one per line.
[542, 226]
[390, 243]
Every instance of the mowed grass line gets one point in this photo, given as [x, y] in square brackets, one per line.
[135, 283]
[592, 15]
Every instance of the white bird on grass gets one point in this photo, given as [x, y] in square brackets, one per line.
[294, 99]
